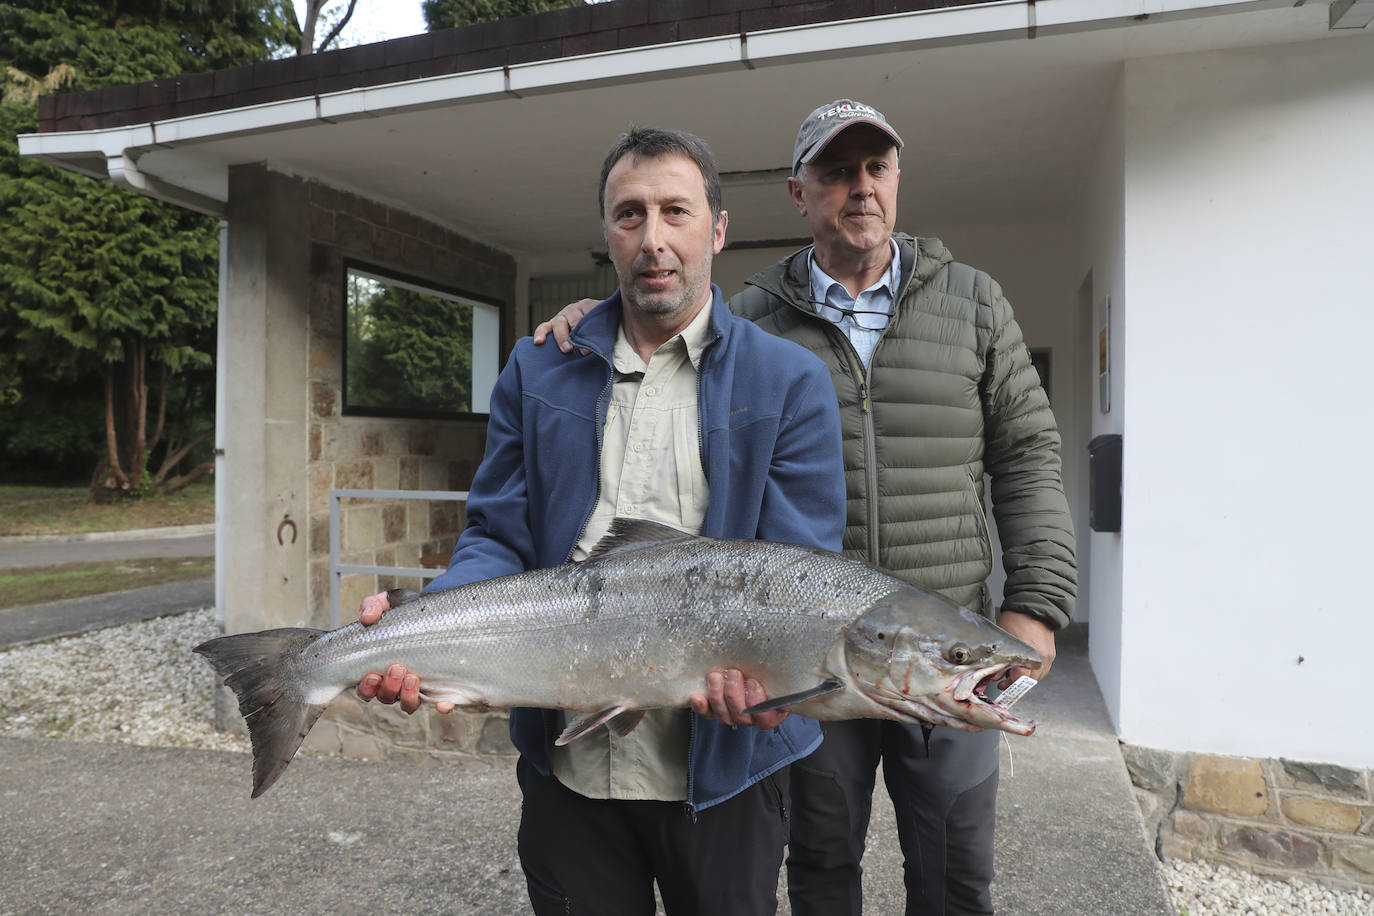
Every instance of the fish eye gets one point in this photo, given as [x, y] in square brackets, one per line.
[959, 653]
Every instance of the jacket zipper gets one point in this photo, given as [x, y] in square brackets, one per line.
[601, 404]
[691, 770]
[705, 470]
[856, 370]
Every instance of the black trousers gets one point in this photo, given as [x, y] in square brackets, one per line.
[589, 857]
[945, 801]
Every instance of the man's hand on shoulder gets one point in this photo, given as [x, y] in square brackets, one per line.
[728, 694]
[562, 324]
[399, 682]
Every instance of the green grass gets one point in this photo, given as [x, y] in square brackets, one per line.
[25, 585]
[67, 510]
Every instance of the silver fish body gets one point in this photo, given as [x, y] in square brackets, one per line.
[638, 626]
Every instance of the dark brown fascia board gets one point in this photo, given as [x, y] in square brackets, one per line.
[545, 36]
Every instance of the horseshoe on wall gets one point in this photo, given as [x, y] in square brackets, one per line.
[284, 523]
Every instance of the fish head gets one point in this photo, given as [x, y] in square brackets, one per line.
[923, 658]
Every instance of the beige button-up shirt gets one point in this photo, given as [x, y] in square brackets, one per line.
[650, 469]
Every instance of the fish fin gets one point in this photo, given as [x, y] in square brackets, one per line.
[395, 597]
[635, 534]
[623, 724]
[586, 723]
[249, 663]
[829, 685]
[456, 692]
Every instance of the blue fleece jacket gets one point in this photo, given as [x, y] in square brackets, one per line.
[771, 449]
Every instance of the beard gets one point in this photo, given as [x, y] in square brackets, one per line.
[682, 292]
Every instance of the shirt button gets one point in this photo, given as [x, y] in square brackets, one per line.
[650, 391]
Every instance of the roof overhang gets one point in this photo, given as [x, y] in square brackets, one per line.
[510, 155]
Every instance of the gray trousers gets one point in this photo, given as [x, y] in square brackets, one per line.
[944, 796]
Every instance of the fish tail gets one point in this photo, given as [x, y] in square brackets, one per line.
[251, 664]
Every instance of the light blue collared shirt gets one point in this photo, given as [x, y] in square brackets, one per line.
[878, 298]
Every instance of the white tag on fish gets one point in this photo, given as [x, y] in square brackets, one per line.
[1019, 688]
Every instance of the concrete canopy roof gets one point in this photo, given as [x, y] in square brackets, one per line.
[1001, 104]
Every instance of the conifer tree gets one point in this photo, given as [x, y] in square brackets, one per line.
[107, 299]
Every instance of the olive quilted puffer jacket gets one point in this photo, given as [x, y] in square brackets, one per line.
[950, 393]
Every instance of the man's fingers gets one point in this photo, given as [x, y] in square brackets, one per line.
[390, 687]
[410, 693]
[372, 608]
[735, 703]
[715, 697]
[562, 330]
[367, 687]
[755, 694]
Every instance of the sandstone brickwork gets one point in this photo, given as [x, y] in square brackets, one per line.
[374, 452]
[386, 453]
[1275, 817]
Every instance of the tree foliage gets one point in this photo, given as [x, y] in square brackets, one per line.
[407, 350]
[105, 293]
[448, 14]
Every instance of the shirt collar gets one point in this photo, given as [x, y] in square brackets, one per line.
[822, 283]
[694, 337]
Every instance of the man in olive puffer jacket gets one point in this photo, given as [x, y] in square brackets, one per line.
[934, 393]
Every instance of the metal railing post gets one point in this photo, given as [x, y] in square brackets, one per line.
[337, 570]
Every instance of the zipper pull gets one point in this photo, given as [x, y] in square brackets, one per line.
[863, 397]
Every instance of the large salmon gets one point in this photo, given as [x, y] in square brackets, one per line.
[638, 625]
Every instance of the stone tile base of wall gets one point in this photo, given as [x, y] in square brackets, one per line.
[1279, 818]
[356, 730]
[375, 731]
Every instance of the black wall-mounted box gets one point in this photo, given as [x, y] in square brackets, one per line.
[1104, 483]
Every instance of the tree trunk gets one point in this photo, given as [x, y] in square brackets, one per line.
[116, 477]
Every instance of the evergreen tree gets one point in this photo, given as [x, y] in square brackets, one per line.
[448, 14]
[102, 291]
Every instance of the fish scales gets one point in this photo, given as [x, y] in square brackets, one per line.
[639, 625]
[588, 626]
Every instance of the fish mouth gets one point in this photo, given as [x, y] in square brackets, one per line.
[967, 698]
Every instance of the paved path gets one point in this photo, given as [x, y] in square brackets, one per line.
[36, 622]
[142, 545]
[116, 829]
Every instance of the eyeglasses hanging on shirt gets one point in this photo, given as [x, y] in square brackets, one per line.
[868, 319]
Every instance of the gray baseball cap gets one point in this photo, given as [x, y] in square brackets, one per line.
[825, 123]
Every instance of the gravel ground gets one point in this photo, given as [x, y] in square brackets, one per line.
[141, 684]
[133, 684]
[1202, 889]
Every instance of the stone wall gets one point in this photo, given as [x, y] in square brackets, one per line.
[380, 453]
[1280, 818]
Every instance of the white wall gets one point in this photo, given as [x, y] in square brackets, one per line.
[1249, 231]
[1104, 258]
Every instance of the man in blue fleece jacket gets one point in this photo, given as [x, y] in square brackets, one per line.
[680, 413]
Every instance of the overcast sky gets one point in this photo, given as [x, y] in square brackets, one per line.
[373, 20]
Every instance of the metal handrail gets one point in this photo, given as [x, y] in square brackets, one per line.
[337, 570]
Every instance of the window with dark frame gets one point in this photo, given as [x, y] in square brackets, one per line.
[415, 349]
